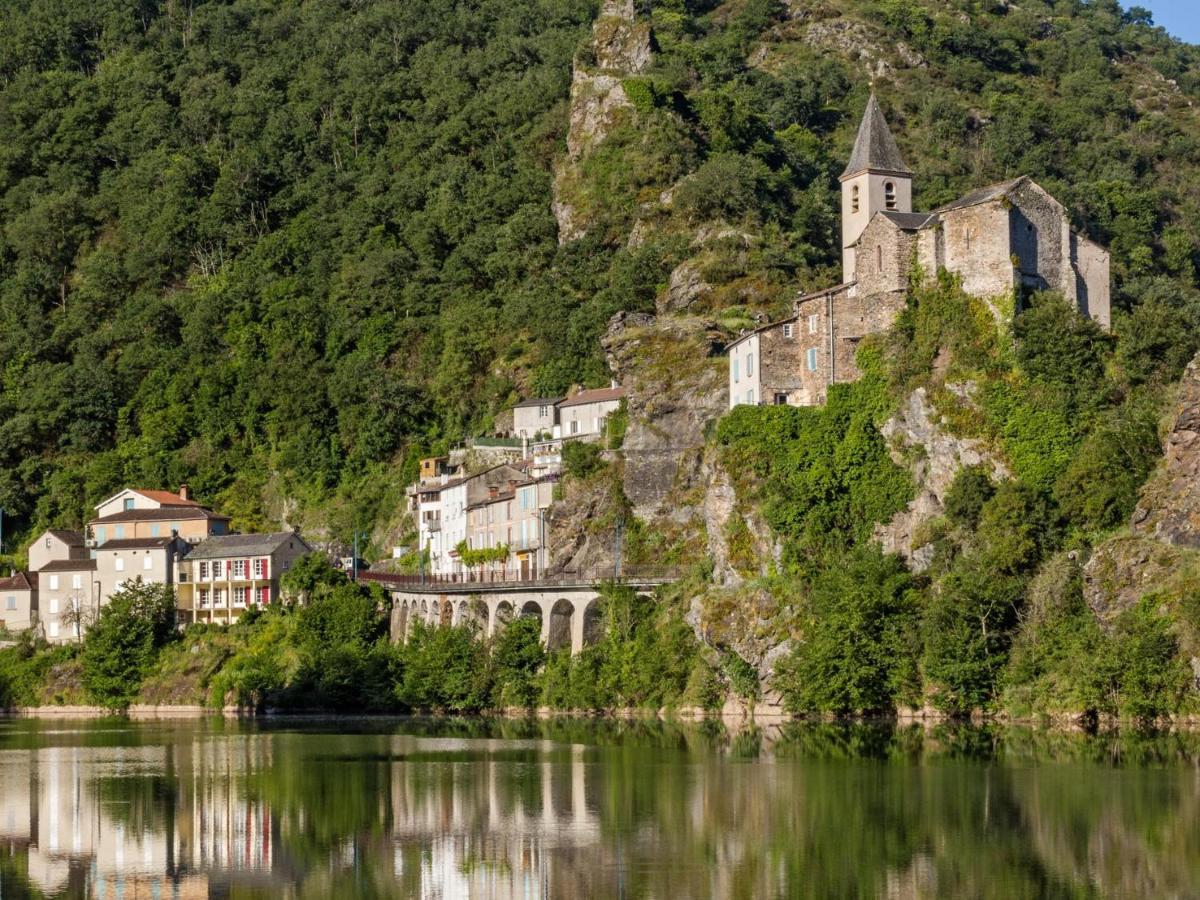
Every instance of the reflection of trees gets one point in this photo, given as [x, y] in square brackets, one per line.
[654, 809]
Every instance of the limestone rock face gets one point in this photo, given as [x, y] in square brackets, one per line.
[620, 48]
[676, 389]
[1169, 509]
[1165, 524]
[933, 456]
[685, 287]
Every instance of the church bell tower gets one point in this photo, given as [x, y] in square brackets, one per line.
[876, 180]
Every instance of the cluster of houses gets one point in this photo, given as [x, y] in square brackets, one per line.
[160, 537]
[1002, 241]
[502, 507]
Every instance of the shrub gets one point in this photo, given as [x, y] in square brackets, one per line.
[517, 657]
[971, 489]
[444, 668]
[582, 460]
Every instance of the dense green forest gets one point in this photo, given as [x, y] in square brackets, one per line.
[279, 249]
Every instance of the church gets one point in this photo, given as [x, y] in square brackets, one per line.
[1002, 241]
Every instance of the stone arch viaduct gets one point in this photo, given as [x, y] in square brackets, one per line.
[566, 606]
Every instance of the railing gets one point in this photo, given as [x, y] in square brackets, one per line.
[467, 582]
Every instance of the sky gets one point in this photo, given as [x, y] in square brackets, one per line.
[1180, 17]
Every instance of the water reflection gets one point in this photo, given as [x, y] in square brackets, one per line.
[570, 809]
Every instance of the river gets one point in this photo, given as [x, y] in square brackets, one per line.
[576, 809]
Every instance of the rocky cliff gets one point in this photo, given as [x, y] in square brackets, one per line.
[1161, 551]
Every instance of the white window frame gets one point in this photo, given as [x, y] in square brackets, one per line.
[259, 569]
[53, 629]
[77, 582]
[788, 330]
[737, 369]
[118, 564]
[53, 584]
[148, 561]
[814, 322]
[749, 365]
[54, 606]
[812, 359]
[750, 396]
[11, 602]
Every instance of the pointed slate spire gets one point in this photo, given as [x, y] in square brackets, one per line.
[875, 148]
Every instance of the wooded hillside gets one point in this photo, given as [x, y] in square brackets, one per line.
[279, 250]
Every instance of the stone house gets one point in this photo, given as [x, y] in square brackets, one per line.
[456, 500]
[1002, 241]
[66, 587]
[225, 575]
[56, 543]
[536, 416]
[512, 515]
[19, 601]
[585, 413]
[138, 513]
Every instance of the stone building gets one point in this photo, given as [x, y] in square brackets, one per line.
[1003, 241]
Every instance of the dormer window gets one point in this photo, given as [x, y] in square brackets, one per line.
[889, 194]
[854, 199]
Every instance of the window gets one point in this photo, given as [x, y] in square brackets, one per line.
[204, 571]
[216, 568]
[788, 330]
[812, 359]
[47, 543]
[128, 504]
[53, 586]
[575, 426]
[119, 564]
[203, 597]
[11, 602]
[259, 568]
[100, 535]
[54, 605]
[77, 582]
[147, 562]
[543, 412]
[239, 568]
[239, 596]
[153, 531]
[781, 399]
[814, 322]
[889, 194]
[749, 365]
[854, 199]
[53, 629]
[750, 397]
[218, 597]
[119, 532]
[737, 374]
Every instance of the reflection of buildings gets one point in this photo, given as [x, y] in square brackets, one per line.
[479, 832]
[220, 813]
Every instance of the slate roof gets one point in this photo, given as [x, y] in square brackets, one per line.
[70, 538]
[221, 546]
[537, 401]
[18, 582]
[983, 195]
[135, 543]
[167, 514]
[911, 221]
[69, 565]
[875, 148]
[598, 395]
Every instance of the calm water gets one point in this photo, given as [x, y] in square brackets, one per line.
[573, 809]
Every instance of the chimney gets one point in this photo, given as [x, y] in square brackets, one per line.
[512, 485]
[493, 491]
[185, 492]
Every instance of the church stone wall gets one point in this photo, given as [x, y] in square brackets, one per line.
[975, 245]
[885, 253]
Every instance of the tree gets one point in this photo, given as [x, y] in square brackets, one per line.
[120, 648]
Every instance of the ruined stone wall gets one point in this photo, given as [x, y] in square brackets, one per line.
[976, 245]
[1040, 237]
[1092, 283]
